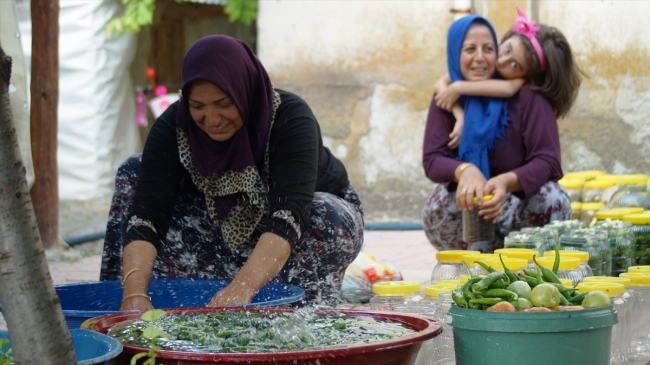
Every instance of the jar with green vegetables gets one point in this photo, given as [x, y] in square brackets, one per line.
[565, 226]
[550, 235]
[641, 230]
[518, 239]
[603, 246]
[594, 190]
[587, 243]
[621, 241]
[632, 192]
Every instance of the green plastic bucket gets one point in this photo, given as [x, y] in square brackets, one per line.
[559, 338]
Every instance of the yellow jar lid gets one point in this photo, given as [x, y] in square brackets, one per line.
[612, 178]
[639, 268]
[599, 184]
[485, 198]
[611, 289]
[576, 206]
[566, 282]
[581, 255]
[566, 262]
[621, 280]
[433, 291]
[638, 279]
[510, 262]
[472, 258]
[633, 179]
[638, 219]
[571, 183]
[601, 215]
[396, 288]
[448, 282]
[519, 253]
[452, 256]
[465, 278]
[572, 175]
[592, 206]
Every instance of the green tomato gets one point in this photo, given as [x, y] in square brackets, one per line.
[521, 288]
[522, 303]
[596, 299]
[545, 295]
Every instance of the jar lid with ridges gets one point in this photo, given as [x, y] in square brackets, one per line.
[447, 282]
[519, 253]
[571, 183]
[638, 219]
[433, 291]
[612, 178]
[396, 288]
[638, 279]
[510, 262]
[471, 259]
[485, 198]
[611, 214]
[621, 280]
[581, 255]
[639, 268]
[592, 206]
[633, 179]
[452, 256]
[599, 184]
[611, 289]
[566, 262]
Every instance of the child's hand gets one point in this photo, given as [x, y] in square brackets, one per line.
[446, 98]
[456, 133]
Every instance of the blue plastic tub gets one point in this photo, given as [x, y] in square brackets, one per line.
[90, 347]
[82, 301]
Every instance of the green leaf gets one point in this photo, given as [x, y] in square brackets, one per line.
[152, 332]
[152, 315]
[136, 357]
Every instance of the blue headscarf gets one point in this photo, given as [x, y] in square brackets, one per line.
[485, 118]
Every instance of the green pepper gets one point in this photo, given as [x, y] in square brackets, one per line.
[457, 296]
[578, 298]
[530, 272]
[504, 294]
[500, 284]
[485, 267]
[511, 275]
[471, 274]
[486, 281]
[548, 275]
[562, 288]
[563, 301]
[529, 279]
[556, 263]
[486, 301]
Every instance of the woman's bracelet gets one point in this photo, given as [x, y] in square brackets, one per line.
[136, 295]
[129, 273]
[460, 169]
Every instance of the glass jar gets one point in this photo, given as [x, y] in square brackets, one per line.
[602, 245]
[607, 194]
[471, 262]
[641, 231]
[445, 353]
[582, 242]
[388, 294]
[588, 212]
[518, 239]
[448, 265]
[573, 188]
[576, 210]
[639, 328]
[514, 264]
[427, 307]
[565, 226]
[519, 253]
[594, 190]
[621, 241]
[549, 234]
[569, 267]
[584, 268]
[618, 349]
[632, 192]
[476, 230]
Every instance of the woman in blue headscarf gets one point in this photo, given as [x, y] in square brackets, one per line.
[510, 148]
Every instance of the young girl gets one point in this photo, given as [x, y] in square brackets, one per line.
[535, 54]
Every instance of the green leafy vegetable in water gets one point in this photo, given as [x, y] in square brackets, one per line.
[242, 331]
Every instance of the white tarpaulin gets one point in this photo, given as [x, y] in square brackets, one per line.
[96, 127]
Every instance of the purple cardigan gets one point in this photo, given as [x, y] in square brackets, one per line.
[530, 147]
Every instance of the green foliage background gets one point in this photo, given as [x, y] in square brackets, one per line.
[139, 13]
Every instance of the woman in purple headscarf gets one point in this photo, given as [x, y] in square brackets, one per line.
[234, 182]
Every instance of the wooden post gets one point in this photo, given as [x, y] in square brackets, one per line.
[44, 105]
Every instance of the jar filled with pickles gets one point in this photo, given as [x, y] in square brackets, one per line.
[565, 226]
[550, 235]
[621, 241]
[518, 239]
[604, 248]
[632, 192]
[641, 231]
[607, 193]
[587, 243]
[593, 191]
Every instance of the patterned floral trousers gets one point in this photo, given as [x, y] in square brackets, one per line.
[442, 219]
[194, 249]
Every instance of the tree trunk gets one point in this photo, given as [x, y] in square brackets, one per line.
[44, 101]
[30, 305]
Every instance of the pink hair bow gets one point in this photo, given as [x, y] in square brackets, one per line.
[529, 29]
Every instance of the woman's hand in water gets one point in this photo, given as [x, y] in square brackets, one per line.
[233, 294]
[445, 99]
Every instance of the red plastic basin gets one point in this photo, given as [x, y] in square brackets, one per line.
[400, 351]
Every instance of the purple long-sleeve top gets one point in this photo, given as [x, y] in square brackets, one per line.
[530, 146]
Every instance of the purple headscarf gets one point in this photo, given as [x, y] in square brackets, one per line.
[229, 64]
